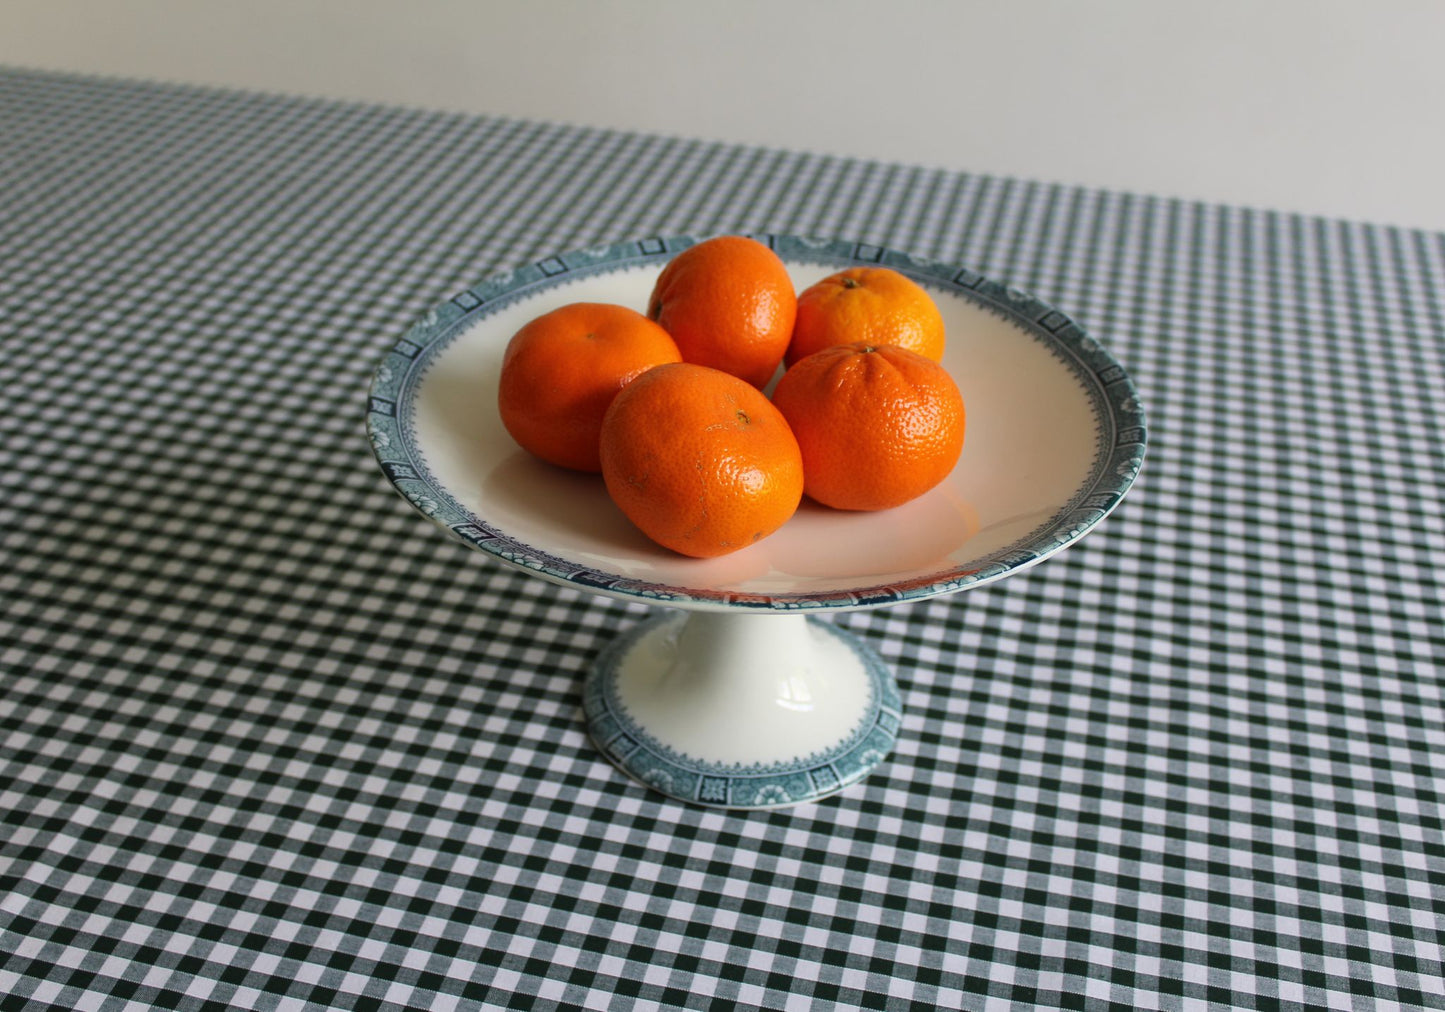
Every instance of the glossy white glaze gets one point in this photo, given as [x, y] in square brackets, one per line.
[737, 700]
[737, 687]
[1030, 443]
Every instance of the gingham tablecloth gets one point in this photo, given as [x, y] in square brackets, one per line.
[270, 740]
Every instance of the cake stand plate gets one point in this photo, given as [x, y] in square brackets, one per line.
[739, 694]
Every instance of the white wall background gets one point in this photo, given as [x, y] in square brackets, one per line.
[1320, 106]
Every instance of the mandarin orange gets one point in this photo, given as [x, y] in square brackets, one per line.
[873, 304]
[729, 303]
[699, 460]
[561, 371]
[877, 425]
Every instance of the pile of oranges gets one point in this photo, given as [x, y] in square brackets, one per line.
[670, 406]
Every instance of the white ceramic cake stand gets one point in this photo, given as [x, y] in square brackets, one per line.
[738, 694]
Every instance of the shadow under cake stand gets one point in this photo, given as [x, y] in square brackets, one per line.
[738, 693]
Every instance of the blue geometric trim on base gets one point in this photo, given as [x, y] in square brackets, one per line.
[756, 786]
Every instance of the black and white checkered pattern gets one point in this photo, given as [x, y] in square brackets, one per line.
[269, 740]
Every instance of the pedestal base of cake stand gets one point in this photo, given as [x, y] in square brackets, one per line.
[737, 709]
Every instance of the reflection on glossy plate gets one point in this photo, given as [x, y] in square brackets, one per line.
[1055, 437]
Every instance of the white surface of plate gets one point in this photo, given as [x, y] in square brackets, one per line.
[1054, 437]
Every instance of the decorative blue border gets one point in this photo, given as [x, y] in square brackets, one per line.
[1119, 452]
[730, 785]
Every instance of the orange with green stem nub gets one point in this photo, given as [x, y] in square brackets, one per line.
[699, 460]
[874, 304]
[877, 425]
